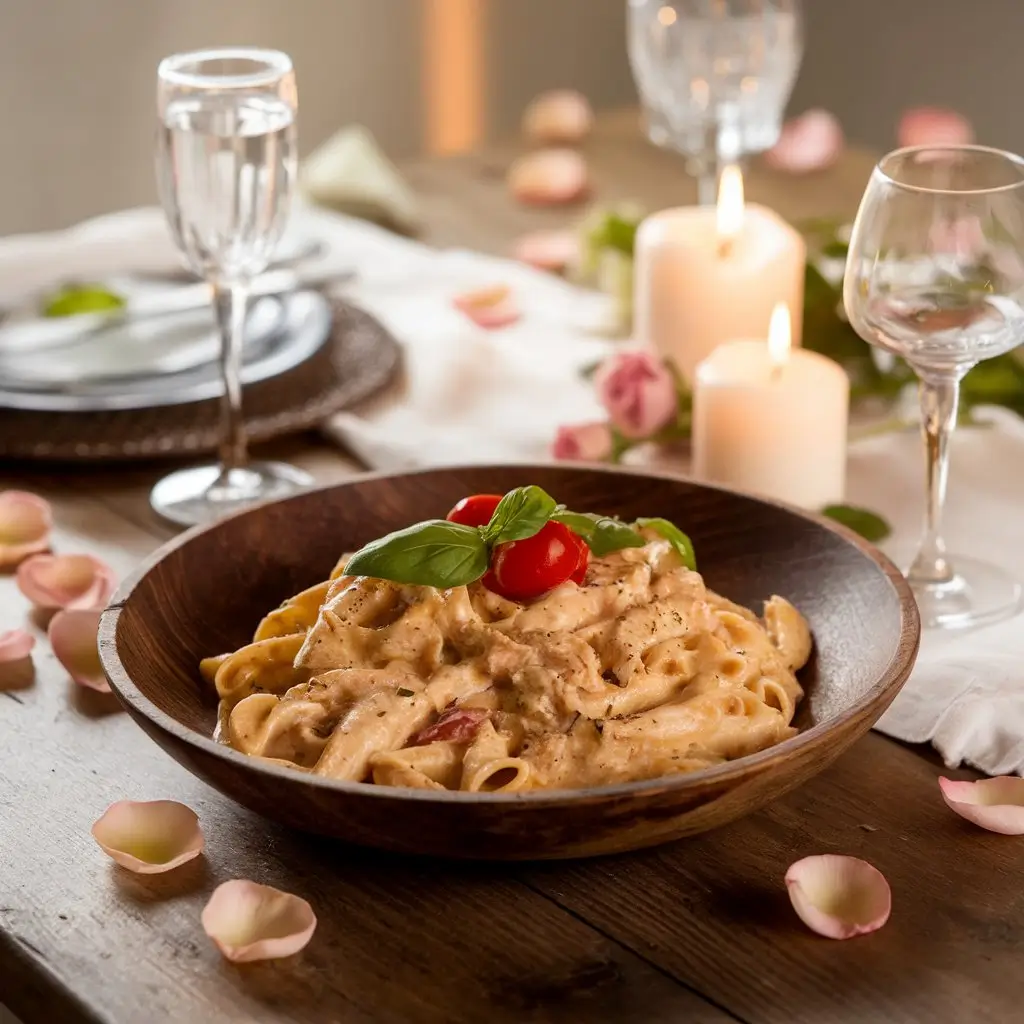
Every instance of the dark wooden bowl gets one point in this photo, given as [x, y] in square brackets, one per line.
[205, 592]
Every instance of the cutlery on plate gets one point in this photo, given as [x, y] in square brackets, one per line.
[59, 331]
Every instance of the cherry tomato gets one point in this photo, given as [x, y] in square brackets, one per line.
[525, 569]
[476, 510]
[581, 568]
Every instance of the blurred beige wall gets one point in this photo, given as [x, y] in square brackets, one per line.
[77, 76]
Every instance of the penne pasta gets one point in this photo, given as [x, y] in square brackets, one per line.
[638, 673]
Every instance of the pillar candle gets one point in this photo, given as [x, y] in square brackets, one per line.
[705, 275]
[771, 420]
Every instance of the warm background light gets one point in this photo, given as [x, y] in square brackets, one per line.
[453, 74]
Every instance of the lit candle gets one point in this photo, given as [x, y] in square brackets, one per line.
[771, 420]
[704, 276]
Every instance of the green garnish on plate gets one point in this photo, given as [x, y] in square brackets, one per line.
[76, 299]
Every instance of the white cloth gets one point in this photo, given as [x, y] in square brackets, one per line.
[472, 395]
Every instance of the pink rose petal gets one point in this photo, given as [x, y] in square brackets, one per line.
[810, 142]
[66, 581]
[934, 126]
[996, 804]
[489, 307]
[547, 250]
[584, 442]
[149, 837]
[549, 177]
[16, 645]
[73, 639]
[248, 921]
[559, 117]
[25, 523]
[839, 897]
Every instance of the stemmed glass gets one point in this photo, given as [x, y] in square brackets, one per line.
[935, 274]
[714, 77]
[226, 163]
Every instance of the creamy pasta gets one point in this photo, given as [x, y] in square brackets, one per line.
[638, 673]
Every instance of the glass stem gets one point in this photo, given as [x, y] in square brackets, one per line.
[230, 302]
[939, 395]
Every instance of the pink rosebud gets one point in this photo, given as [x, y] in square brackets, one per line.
[638, 393]
[934, 126]
[585, 442]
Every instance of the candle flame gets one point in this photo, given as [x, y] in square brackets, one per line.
[779, 340]
[730, 205]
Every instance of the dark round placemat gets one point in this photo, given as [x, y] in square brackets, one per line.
[359, 359]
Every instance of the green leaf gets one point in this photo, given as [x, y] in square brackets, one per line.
[603, 534]
[520, 514]
[85, 298]
[431, 554]
[678, 539]
[869, 525]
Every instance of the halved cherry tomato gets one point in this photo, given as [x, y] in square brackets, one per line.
[476, 510]
[525, 569]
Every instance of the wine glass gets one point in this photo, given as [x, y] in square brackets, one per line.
[714, 77]
[226, 163]
[935, 275]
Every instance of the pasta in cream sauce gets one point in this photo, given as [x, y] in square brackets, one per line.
[639, 673]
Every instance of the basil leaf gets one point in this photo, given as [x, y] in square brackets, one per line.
[675, 536]
[869, 525]
[520, 514]
[431, 554]
[603, 534]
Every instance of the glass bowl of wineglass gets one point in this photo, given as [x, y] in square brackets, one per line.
[226, 162]
[714, 77]
[935, 275]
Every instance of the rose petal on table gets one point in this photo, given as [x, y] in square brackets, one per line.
[248, 921]
[934, 126]
[73, 637]
[66, 581]
[149, 837]
[810, 142]
[547, 250]
[996, 804]
[549, 177]
[558, 117]
[583, 442]
[839, 897]
[25, 524]
[489, 307]
[16, 645]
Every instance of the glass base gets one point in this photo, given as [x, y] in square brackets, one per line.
[200, 495]
[977, 595]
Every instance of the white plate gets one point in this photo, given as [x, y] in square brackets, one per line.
[171, 362]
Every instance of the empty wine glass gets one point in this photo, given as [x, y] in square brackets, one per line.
[935, 275]
[714, 77]
[226, 162]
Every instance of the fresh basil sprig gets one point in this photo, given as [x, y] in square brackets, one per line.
[675, 536]
[520, 514]
[436, 553]
[603, 534]
[870, 525]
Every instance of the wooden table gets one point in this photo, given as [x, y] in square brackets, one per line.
[699, 931]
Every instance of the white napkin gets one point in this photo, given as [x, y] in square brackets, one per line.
[471, 395]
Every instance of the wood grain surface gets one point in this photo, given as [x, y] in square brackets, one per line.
[172, 614]
[699, 931]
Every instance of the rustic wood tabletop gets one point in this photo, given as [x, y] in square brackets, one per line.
[697, 931]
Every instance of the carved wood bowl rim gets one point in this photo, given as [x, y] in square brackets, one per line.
[871, 704]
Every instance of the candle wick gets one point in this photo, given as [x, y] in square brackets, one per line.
[724, 247]
[776, 374]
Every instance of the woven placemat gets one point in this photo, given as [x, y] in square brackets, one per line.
[359, 359]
